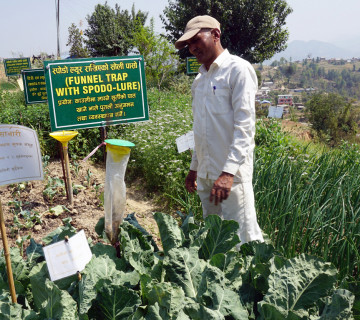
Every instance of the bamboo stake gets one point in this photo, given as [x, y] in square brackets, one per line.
[67, 167]
[7, 257]
[64, 137]
[63, 169]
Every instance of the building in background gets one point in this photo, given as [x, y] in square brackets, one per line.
[285, 99]
[265, 104]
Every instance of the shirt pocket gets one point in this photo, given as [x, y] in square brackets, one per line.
[219, 101]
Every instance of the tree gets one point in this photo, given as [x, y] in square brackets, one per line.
[252, 29]
[110, 31]
[259, 78]
[159, 55]
[332, 117]
[76, 41]
[282, 61]
[289, 70]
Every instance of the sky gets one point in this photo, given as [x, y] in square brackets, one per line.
[28, 27]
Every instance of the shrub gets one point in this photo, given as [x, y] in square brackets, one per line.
[332, 117]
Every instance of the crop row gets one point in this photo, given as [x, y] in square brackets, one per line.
[198, 274]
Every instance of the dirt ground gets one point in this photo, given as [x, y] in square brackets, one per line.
[38, 199]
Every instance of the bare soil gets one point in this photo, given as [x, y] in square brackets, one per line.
[86, 210]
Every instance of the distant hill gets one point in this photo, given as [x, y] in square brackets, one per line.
[299, 50]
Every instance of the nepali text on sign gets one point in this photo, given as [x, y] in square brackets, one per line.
[84, 93]
[20, 156]
[13, 67]
[192, 65]
[65, 258]
[34, 86]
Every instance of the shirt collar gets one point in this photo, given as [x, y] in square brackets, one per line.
[217, 62]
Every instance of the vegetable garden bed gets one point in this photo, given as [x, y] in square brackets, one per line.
[198, 275]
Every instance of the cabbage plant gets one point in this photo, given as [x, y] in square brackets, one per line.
[197, 273]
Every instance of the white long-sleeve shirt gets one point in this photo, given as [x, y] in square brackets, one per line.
[224, 118]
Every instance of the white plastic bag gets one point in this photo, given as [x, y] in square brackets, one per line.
[115, 189]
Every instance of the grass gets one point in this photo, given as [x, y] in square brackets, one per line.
[155, 156]
[5, 85]
[311, 203]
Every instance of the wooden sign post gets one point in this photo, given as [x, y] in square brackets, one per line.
[20, 160]
[7, 257]
[64, 137]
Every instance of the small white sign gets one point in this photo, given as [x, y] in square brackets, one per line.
[275, 112]
[185, 142]
[65, 258]
[20, 155]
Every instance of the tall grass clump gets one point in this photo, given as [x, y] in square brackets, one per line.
[310, 202]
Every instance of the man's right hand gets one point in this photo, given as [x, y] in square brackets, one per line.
[190, 181]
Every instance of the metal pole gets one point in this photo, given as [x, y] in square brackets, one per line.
[58, 27]
[7, 257]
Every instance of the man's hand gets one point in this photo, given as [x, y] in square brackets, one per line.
[190, 181]
[221, 188]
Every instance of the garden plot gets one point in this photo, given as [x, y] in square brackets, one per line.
[37, 208]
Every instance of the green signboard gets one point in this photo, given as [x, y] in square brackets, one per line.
[34, 86]
[192, 65]
[13, 67]
[87, 93]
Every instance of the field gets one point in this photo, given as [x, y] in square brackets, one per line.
[307, 200]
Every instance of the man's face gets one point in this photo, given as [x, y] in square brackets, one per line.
[202, 46]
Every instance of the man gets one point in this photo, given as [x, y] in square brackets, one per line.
[224, 128]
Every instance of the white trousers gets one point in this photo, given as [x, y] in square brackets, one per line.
[239, 206]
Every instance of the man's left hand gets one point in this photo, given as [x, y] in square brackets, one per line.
[221, 188]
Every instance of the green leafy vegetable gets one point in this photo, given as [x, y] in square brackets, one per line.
[295, 287]
[199, 275]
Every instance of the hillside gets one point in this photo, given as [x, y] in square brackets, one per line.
[329, 75]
